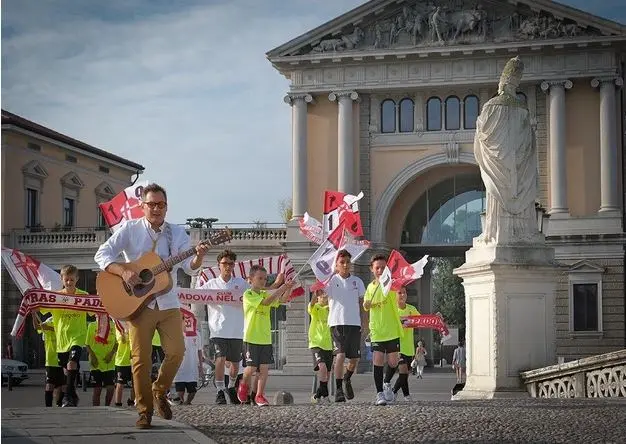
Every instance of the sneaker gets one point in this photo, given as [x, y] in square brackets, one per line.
[349, 390]
[162, 406]
[261, 401]
[315, 400]
[380, 399]
[407, 398]
[242, 392]
[68, 402]
[388, 392]
[339, 396]
[144, 421]
[175, 401]
[220, 398]
[232, 395]
[130, 402]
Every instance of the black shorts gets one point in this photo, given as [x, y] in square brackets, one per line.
[191, 387]
[257, 354]
[347, 339]
[325, 356]
[72, 355]
[55, 376]
[102, 379]
[405, 359]
[391, 346]
[123, 374]
[158, 355]
[228, 348]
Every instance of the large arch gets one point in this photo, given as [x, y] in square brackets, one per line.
[402, 179]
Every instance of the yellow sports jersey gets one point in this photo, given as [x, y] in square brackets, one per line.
[384, 319]
[49, 342]
[319, 331]
[70, 326]
[257, 327]
[101, 350]
[122, 356]
[407, 343]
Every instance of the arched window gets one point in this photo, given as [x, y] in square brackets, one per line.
[388, 116]
[471, 109]
[522, 98]
[406, 115]
[433, 114]
[453, 113]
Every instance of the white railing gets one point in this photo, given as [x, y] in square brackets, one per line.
[602, 376]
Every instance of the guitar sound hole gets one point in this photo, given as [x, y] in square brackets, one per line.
[146, 277]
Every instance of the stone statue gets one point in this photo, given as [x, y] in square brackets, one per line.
[504, 147]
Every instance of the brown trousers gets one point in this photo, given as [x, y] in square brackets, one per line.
[141, 331]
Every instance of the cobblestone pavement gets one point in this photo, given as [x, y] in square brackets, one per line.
[498, 421]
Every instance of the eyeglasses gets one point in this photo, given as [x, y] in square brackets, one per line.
[160, 205]
[227, 264]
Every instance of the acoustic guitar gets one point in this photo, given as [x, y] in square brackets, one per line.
[125, 302]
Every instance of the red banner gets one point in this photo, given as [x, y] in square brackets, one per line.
[433, 321]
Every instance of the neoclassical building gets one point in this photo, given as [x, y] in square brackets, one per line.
[385, 98]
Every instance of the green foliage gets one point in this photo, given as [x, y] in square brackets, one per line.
[285, 209]
[448, 294]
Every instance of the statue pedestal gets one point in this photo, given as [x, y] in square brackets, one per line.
[510, 324]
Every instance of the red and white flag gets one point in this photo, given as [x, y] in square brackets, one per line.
[190, 323]
[311, 228]
[28, 273]
[322, 262]
[126, 205]
[336, 206]
[403, 273]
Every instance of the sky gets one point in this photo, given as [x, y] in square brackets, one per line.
[182, 87]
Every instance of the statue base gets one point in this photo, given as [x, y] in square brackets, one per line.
[510, 316]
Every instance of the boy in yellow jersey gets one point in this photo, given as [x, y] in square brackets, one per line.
[407, 347]
[123, 370]
[70, 327]
[257, 331]
[54, 373]
[102, 360]
[320, 343]
[385, 330]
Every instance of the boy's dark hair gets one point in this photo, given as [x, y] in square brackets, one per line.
[153, 188]
[69, 270]
[255, 269]
[344, 253]
[378, 257]
[230, 254]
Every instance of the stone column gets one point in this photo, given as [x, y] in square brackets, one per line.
[345, 148]
[609, 199]
[558, 156]
[298, 104]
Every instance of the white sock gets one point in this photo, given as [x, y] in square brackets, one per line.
[231, 382]
[220, 385]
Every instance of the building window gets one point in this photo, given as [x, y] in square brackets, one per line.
[585, 301]
[453, 113]
[388, 116]
[32, 207]
[34, 146]
[103, 169]
[522, 98]
[407, 119]
[101, 222]
[585, 298]
[471, 109]
[433, 114]
[71, 159]
[68, 212]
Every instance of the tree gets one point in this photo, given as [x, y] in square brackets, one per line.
[448, 293]
[285, 209]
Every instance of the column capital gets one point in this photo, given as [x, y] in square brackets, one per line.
[290, 98]
[336, 95]
[616, 80]
[547, 84]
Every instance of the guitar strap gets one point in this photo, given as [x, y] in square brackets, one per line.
[169, 236]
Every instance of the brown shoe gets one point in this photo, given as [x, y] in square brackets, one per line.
[144, 421]
[162, 406]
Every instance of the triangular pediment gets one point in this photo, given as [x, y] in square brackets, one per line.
[35, 169]
[586, 266]
[105, 190]
[380, 25]
[71, 180]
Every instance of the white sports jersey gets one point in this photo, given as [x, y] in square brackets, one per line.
[343, 300]
[226, 321]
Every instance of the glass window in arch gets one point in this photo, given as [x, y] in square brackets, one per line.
[471, 109]
[388, 116]
[433, 114]
[406, 115]
[453, 113]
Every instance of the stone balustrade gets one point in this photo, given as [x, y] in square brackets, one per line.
[247, 236]
[602, 376]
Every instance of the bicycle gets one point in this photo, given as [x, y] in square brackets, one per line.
[208, 377]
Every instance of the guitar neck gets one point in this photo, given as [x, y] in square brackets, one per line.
[173, 260]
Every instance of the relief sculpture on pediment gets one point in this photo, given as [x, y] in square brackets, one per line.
[451, 22]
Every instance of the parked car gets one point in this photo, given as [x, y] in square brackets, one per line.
[17, 369]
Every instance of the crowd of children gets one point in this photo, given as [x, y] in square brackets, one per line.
[241, 337]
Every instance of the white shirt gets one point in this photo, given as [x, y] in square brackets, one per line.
[135, 238]
[343, 300]
[188, 370]
[226, 321]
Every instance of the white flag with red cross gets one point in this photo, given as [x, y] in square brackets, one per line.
[126, 205]
[29, 273]
[403, 273]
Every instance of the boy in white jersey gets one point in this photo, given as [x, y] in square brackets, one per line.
[186, 378]
[345, 292]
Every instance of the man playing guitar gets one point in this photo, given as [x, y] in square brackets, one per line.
[133, 239]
